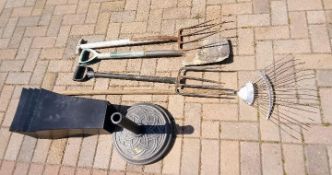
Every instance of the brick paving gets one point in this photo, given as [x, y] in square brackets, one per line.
[37, 44]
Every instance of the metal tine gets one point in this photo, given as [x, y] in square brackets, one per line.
[200, 79]
[212, 87]
[207, 27]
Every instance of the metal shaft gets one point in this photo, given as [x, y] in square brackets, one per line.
[129, 42]
[168, 80]
[118, 119]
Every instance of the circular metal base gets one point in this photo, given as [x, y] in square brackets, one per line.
[154, 141]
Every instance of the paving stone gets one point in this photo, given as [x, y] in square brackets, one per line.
[298, 25]
[28, 21]
[315, 61]
[291, 46]
[325, 97]
[319, 38]
[9, 116]
[51, 53]
[229, 158]
[72, 151]
[240, 131]
[31, 60]
[36, 169]
[237, 9]
[21, 168]
[297, 5]
[117, 162]
[318, 134]
[246, 41]
[56, 151]
[82, 7]
[160, 4]
[83, 171]
[103, 153]
[167, 27]
[73, 19]
[291, 133]
[41, 150]
[213, 12]
[4, 138]
[154, 23]
[7, 54]
[293, 159]
[253, 20]
[62, 36]
[264, 54]
[278, 32]
[261, 6]
[112, 6]
[142, 13]
[87, 153]
[131, 5]
[176, 13]
[210, 129]
[51, 170]
[250, 158]
[168, 65]
[271, 159]
[190, 156]
[5, 97]
[27, 149]
[279, 13]
[66, 170]
[7, 167]
[14, 146]
[4, 43]
[316, 17]
[241, 63]
[35, 31]
[220, 112]
[133, 27]
[38, 74]
[209, 157]
[153, 168]
[43, 42]
[316, 159]
[193, 117]
[176, 106]
[18, 78]
[10, 27]
[269, 130]
[60, 66]
[102, 23]
[171, 163]
[86, 29]
[24, 48]
[64, 9]
[324, 78]
[17, 37]
[327, 4]
[198, 9]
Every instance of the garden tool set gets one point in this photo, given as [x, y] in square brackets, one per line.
[144, 132]
[196, 37]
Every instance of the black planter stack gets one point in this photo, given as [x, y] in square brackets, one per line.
[45, 114]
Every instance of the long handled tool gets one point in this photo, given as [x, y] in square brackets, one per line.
[186, 35]
[89, 56]
[83, 73]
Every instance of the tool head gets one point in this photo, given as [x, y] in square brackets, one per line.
[88, 56]
[247, 93]
[213, 50]
[78, 46]
[195, 88]
[83, 73]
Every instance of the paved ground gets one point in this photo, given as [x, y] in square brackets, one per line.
[37, 40]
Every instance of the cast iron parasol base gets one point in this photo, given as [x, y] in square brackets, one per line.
[147, 134]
